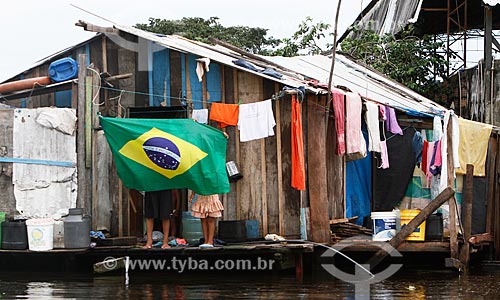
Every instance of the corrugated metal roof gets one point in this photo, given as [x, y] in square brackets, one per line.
[429, 16]
[300, 71]
[368, 83]
[348, 73]
[389, 16]
[491, 2]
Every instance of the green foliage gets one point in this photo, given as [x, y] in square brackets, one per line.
[306, 40]
[250, 39]
[413, 61]
[253, 40]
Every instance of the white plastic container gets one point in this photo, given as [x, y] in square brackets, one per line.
[40, 234]
[384, 224]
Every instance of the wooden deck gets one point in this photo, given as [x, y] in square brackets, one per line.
[407, 246]
[286, 255]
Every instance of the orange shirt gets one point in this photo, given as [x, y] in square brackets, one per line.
[224, 114]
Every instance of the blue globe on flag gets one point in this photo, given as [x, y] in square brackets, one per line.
[162, 152]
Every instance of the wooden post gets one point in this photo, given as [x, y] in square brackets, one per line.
[467, 213]
[94, 170]
[88, 121]
[264, 186]
[281, 199]
[412, 225]
[453, 211]
[496, 207]
[237, 144]
[492, 157]
[83, 184]
[299, 265]
[316, 152]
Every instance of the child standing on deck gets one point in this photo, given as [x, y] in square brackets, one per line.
[207, 208]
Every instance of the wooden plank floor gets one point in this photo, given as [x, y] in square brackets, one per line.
[407, 246]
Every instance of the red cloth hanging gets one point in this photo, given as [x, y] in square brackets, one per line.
[339, 110]
[298, 169]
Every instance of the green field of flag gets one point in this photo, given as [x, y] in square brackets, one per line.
[158, 154]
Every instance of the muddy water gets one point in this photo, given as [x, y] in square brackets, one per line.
[403, 285]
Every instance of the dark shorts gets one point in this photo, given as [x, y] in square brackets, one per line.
[159, 204]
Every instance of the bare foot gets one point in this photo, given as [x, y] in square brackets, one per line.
[165, 246]
[147, 246]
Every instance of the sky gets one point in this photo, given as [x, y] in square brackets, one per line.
[31, 30]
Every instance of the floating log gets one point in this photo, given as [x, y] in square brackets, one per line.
[109, 265]
[24, 84]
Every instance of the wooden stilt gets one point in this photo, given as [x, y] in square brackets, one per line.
[467, 213]
[299, 266]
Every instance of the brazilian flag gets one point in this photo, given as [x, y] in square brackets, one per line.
[159, 154]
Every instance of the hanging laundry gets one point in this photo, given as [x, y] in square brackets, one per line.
[338, 108]
[430, 153]
[424, 166]
[384, 155]
[436, 163]
[256, 121]
[392, 121]
[372, 124]
[224, 114]
[417, 146]
[298, 169]
[355, 143]
[200, 115]
[474, 138]
[202, 67]
[383, 114]
[437, 129]
[455, 136]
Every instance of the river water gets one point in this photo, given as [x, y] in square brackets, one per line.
[403, 285]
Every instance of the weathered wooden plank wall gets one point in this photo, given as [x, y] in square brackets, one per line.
[271, 168]
[176, 90]
[250, 192]
[161, 78]
[291, 197]
[318, 193]
[7, 200]
[194, 87]
[335, 172]
[230, 88]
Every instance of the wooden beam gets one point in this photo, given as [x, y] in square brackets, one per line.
[496, 207]
[94, 169]
[343, 220]
[264, 186]
[453, 211]
[317, 174]
[281, 198]
[492, 157]
[95, 28]
[483, 238]
[88, 121]
[237, 144]
[400, 237]
[467, 213]
[82, 179]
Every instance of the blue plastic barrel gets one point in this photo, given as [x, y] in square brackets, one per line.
[63, 69]
[191, 229]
